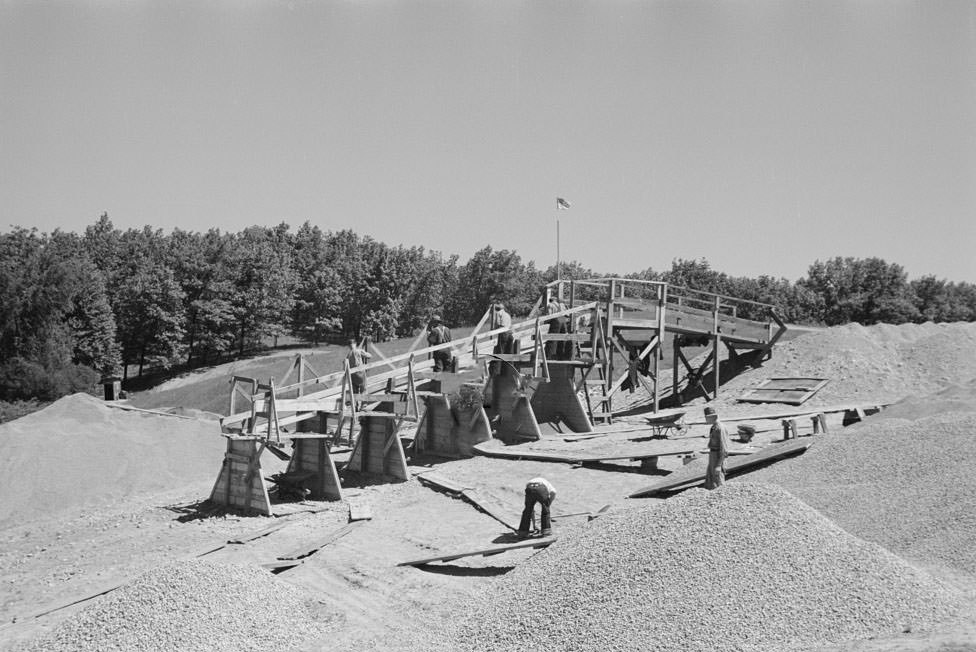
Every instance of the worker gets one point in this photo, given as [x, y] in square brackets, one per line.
[718, 450]
[537, 490]
[557, 350]
[357, 357]
[438, 333]
[501, 319]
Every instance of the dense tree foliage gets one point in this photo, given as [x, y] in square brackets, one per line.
[76, 307]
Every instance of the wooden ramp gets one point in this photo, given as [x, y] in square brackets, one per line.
[484, 552]
[687, 478]
[576, 452]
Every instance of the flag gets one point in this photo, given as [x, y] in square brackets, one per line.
[561, 204]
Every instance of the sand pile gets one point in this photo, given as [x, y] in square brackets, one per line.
[865, 364]
[746, 567]
[907, 484]
[80, 451]
[193, 605]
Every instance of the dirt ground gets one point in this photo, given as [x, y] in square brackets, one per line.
[50, 559]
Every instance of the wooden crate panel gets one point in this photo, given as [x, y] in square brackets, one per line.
[792, 391]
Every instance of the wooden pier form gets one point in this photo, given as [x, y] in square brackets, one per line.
[450, 432]
[312, 454]
[378, 449]
[512, 407]
[557, 400]
[240, 484]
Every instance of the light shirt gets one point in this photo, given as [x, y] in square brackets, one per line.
[545, 483]
[357, 357]
[502, 319]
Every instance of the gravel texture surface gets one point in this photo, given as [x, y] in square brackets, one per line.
[909, 485]
[747, 567]
[883, 363]
[194, 606]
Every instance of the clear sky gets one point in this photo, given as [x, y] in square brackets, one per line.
[758, 135]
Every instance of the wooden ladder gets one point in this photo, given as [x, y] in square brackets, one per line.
[598, 400]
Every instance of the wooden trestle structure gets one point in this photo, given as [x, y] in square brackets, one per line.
[632, 319]
[614, 338]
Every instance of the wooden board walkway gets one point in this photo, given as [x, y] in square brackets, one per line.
[687, 478]
[483, 502]
[484, 552]
[559, 451]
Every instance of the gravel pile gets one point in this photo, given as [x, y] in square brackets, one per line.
[865, 364]
[908, 485]
[747, 567]
[79, 451]
[193, 606]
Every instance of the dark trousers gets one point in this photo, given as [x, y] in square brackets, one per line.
[442, 360]
[559, 350]
[536, 493]
[506, 343]
[358, 382]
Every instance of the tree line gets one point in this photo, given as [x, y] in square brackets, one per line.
[76, 306]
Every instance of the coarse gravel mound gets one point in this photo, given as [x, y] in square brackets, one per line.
[906, 484]
[195, 606]
[80, 451]
[746, 567]
[878, 364]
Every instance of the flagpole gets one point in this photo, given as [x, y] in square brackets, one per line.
[558, 260]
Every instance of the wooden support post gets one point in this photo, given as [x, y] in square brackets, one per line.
[676, 351]
[789, 429]
[716, 345]
[819, 423]
[608, 334]
[661, 329]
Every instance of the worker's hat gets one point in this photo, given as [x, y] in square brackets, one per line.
[709, 411]
[435, 318]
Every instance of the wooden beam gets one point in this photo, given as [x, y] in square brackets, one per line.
[493, 550]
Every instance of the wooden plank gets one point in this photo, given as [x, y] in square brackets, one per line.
[578, 458]
[686, 478]
[494, 550]
[244, 538]
[481, 501]
[807, 413]
[440, 482]
[312, 548]
[793, 391]
[493, 508]
[359, 510]
[282, 564]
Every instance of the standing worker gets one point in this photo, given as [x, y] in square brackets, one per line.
[501, 319]
[357, 357]
[718, 450]
[557, 350]
[438, 333]
[538, 490]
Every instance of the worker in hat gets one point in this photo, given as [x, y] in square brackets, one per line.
[560, 350]
[537, 490]
[357, 357]
[718, 450]
[501, 319]
[438, 333]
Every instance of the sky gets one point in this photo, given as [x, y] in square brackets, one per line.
[759, 135]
